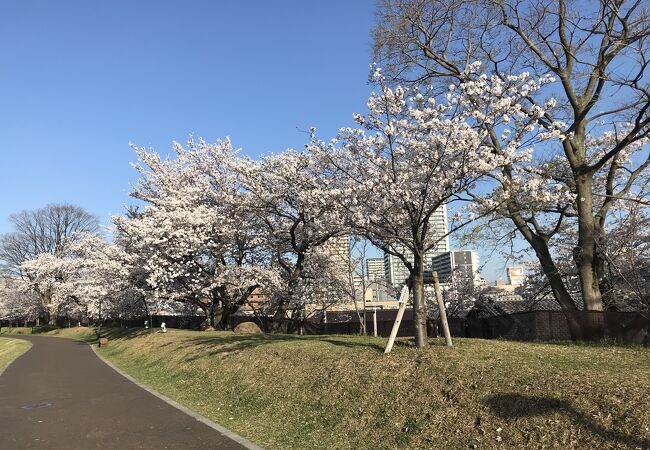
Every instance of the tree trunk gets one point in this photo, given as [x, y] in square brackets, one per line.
[360, 315]
[586, 253]
[206, 322]
[226, 312]
[419, 303]
[556, 283]
[587, 259]
[277, 323]
[296, 320]
[212, 311]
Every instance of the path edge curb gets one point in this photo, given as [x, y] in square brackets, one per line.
[2, 369]
[226, 432]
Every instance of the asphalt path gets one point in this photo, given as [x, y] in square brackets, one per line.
[60, 395]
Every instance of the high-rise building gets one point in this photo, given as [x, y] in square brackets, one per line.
[462, 264]
[395, 270]
[375, 269]
[339, 248]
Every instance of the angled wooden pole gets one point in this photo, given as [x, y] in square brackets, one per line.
[374, 322]
[403, 298]
[441, 309]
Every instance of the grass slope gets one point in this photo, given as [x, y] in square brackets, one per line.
[11, 349]
[330, 392]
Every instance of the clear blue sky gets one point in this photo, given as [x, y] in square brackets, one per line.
[82, 79]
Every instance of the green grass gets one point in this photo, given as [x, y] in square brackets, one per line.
[16, 330]
[11, 349]
[326, 392]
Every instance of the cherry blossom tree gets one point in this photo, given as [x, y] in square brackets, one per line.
[134, 258]
[596, 127]
[203, 247]
[88, 279]
[412, 155]
[44, 230]
[290, 195]
[626, 254]
[17, 302]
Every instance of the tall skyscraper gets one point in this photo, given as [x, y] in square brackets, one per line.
[395, 270]
[339, 248]
[462, 264]
[375, 269]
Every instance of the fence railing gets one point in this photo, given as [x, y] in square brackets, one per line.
[622, 327]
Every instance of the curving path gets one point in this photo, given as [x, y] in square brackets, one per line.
[60, 395]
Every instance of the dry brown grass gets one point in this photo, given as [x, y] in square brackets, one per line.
[342, 392]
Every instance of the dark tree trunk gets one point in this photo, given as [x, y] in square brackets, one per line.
[419, 302]
[212, 313]
[560, 292]
[559, 289]
[276, 325]
[587, 259]
[227, 311]
[586, 254]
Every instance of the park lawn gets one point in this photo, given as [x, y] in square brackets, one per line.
[11, 349]
[326, 392]
[15, 330]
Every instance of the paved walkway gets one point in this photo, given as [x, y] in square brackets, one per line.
[59, 395]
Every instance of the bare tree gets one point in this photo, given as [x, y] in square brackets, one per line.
[44, 230]
[598, 52]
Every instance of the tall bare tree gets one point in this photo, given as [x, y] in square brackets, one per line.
[598, 53]
[44, 230]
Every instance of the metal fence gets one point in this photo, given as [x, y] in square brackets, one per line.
[623, 327]
[620, 327]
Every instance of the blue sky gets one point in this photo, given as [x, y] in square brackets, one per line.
[80, 80]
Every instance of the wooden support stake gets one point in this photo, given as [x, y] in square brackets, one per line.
[441, 309]
[374, 322]
[403, 298]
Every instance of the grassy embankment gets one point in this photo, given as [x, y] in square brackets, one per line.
[11, 349]
[342, 392]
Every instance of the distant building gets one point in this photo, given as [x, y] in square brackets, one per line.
[463, 264]
[258, 301]
[378, 291]
[395, 271]
[515, 275]
[258, 298]
[375, 269]
[339, 248]
[503, 286]
[496, 294]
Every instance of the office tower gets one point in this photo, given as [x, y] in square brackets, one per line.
[396, 272]
[375, 269]
[462, 264]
